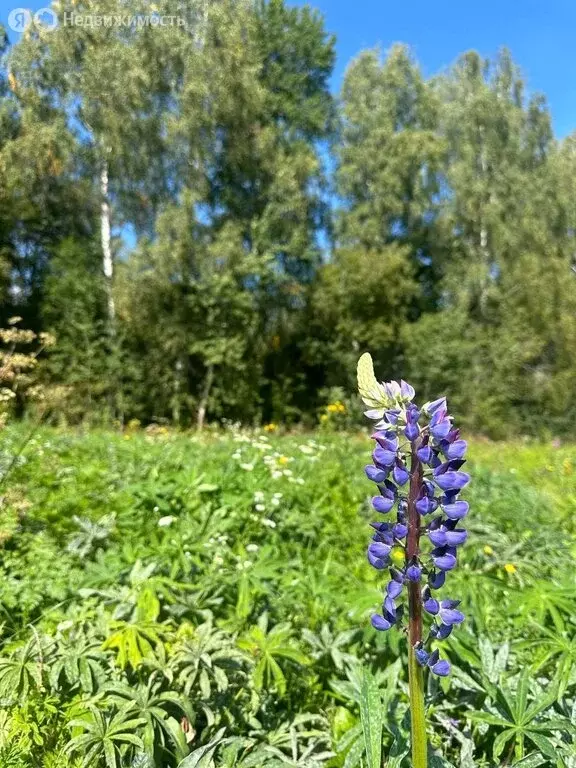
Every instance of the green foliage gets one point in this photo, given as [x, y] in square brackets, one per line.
[226, 621]
[267, 647]
[211, 235]
[103, 738]
[371, 716]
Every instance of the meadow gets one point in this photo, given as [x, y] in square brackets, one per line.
[180, 599]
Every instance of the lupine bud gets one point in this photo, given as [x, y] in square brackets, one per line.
[408, 476]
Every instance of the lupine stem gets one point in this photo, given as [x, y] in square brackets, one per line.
[417, 717]
[415, 672]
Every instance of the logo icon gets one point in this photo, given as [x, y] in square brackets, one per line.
[45, 17]
[19, 19]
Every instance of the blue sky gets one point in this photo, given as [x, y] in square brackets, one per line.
[540, 34]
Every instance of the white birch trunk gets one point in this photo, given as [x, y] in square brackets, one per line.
[105, 237]
[202, 405]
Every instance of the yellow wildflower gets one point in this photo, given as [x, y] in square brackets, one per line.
[397, 556]
[283, 460]
[270, 427]
[510, 568]
[488, 550]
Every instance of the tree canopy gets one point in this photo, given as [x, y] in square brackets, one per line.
[210, 233]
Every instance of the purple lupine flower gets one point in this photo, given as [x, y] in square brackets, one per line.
[400, 473]
[414, 572]
[417, 466]
[432, 660]
[375, 474]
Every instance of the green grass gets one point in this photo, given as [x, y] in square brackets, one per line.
[241, 619]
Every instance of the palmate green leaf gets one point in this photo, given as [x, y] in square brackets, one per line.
[545, 596]
[544, 744]
[355, 752]
[142, 760]
[371, 717]
[349, 737]
[530, 761]
[522, 696]
[436, 761]
[201, 757]
[21, 672]
[554, 724]
[501, 661]
[267, 647]
[103, 735]
[277, 675]
[244, 600]
[134, 642]
[109, 753]
[398, 750]
[540, 705]
[487, 717]
[501, 740]
[176, 736]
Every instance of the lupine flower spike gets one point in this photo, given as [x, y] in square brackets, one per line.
[417, 468]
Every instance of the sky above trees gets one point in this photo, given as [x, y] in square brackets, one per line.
[540, 36]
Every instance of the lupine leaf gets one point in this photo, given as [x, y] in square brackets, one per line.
[371, 716]
[355, 753]
[500, 742]
[544, 745]
[436, 761]
[501, 660]
[488, 717]
[530, 761]
[522, 696]
[201, 756]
